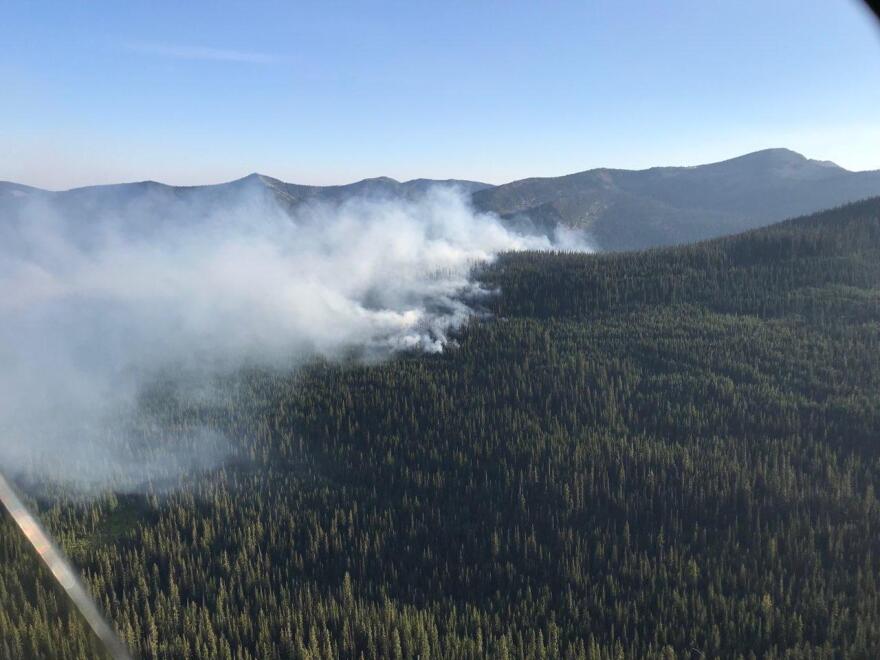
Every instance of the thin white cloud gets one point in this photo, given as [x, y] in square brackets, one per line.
[182, 52]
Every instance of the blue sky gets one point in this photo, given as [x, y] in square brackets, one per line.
[330, 92]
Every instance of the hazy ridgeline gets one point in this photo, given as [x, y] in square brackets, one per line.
[656, 454]
[107, 294]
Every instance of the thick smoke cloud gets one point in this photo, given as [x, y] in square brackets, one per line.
[96, 301]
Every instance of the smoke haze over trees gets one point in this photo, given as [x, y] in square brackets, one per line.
[636, 455]
[107, 293]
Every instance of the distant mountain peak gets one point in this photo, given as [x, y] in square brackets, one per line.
[778, 157]
[779, 152]
[254, 177]
[626, 209]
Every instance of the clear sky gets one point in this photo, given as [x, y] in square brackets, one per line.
[326, 92]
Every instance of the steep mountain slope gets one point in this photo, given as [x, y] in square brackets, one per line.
[626, 209]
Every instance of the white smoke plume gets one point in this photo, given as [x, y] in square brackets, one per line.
[94, 303]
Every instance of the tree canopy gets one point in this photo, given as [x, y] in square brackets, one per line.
[664, 454]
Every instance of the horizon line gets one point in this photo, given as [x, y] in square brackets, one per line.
[423, 178]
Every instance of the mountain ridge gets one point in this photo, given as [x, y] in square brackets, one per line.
[622, 209]
[753, 155]
[634, 209]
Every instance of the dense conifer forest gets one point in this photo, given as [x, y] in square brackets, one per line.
[663, 454]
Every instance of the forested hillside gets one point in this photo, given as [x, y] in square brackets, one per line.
[668, 454]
